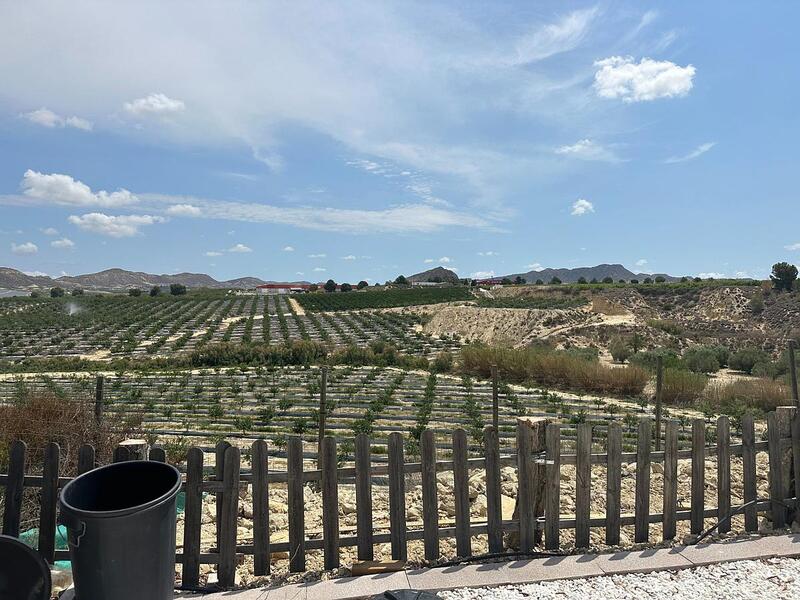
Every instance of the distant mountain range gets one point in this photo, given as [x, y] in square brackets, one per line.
[600, 272]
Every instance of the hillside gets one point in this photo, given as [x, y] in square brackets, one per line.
[436, 274]
[599, 272]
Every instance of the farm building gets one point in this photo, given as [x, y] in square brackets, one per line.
[283, 288]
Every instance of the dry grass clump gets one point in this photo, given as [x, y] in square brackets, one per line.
[553, 368]
[683, 387]
[762, 394]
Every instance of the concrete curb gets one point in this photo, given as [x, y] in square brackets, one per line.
[522, 571]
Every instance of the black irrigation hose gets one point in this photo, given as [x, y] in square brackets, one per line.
[737, 510]
[491, 555]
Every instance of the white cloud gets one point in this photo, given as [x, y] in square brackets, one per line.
[586, 149]
[793, 247]
[742, 274]
[489, 253]
[113, 226]
[712, 275]
[317, 255]
[288, 248]
[240, 249]
[213, 253]
[299, 273]
[50, 231]
[184, 210]
[154, 105]
[445, 260]
[621, 77]
[36, 274]
[428, 261]
[349, 257]
[482, 274]
[25, 248]
[63, 244]
[47, 118]
[581, 207]
[701, 149]
[534, 267]
[554, 38]
[63, 189]
[641, 262]
[319, 269]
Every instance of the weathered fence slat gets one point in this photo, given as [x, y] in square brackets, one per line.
[260, 469]
[297, 529]
[157, 454]
[121, 454]
[47, 515]
[330, 503]
[642, 511]
[749, 471]
[723, 474]
[430, 497]
[85, 459]
[219, 472]
[796, 459]
[613, 483]
[14, 485]
[553, 491]
[775, 483]
[670, 479]
[494, 504]
[192, 519]
[230, 514]
[784, 416]
[698, 475]
[364, 497]
[583, 484]
[397, 497]
[461, 492]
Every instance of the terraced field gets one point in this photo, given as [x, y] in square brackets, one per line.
[202, 407]
[105, 326]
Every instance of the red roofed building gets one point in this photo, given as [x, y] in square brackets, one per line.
[283, 288]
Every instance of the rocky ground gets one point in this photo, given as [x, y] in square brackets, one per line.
[776, 578]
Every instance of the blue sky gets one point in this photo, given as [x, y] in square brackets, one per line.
[359, 141]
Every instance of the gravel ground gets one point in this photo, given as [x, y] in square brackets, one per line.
[777, 578]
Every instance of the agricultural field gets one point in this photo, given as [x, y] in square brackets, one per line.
[390, 298]
[105, 326]
[201, 407]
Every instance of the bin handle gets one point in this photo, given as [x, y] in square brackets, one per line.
[72, 524]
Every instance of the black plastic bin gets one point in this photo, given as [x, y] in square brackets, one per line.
[24, 575]
[121, 525]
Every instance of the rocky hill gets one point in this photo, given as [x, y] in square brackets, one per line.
[600, 272]
[437, 274]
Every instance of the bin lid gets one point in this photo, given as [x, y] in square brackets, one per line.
[24, 575]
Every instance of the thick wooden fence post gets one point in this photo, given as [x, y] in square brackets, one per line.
[723, 474]
[784, 416]
[698, 476]
[670, 480]
[583, 484]
[531, 480]
[14, 485]
[192, 519]
[397, 497]
[260, 468]
[364, 497]
[494, 504]
[329, 482]
[552, 509]
[230, 514]
[613, 483]
[461, 492]
[775, 468]
[297, 529]
[430, 496]
[642, 510]
[749, 471]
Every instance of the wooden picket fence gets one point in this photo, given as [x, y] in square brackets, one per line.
[538, 461]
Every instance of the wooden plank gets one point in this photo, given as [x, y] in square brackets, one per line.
[14, 486]
[121, 454]
[723, 474]
[583, 484]
[323, 392]
[330, 503]
[297, 532]
[495, 400]
[219, 469]
[85, 459]
[642, 510]
[775, 482]
[364, 497]
[539, 447]
[552, 508]
[796, 459]
[698, 475]
[192, 518]
[793, 371]
[494, 503]
[670, 507]
[260, 469]
[659, 396]
[461, 492]
[430, 499]
[230, 514]
[613, 483]
[157, 454]
[784, 416]
[749, 471]
[397, 498]
[49, 497]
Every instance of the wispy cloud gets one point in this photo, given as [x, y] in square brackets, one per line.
[63, 244]
[240, 249]
[47, 118]
[700, 150]
[114, 226]
[587, 149]
[554, 38]
[156, 104]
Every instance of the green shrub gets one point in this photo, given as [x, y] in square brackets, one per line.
[747, 358]
[620, 349]
[682, 387]
[701, 360]
[649, 359]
